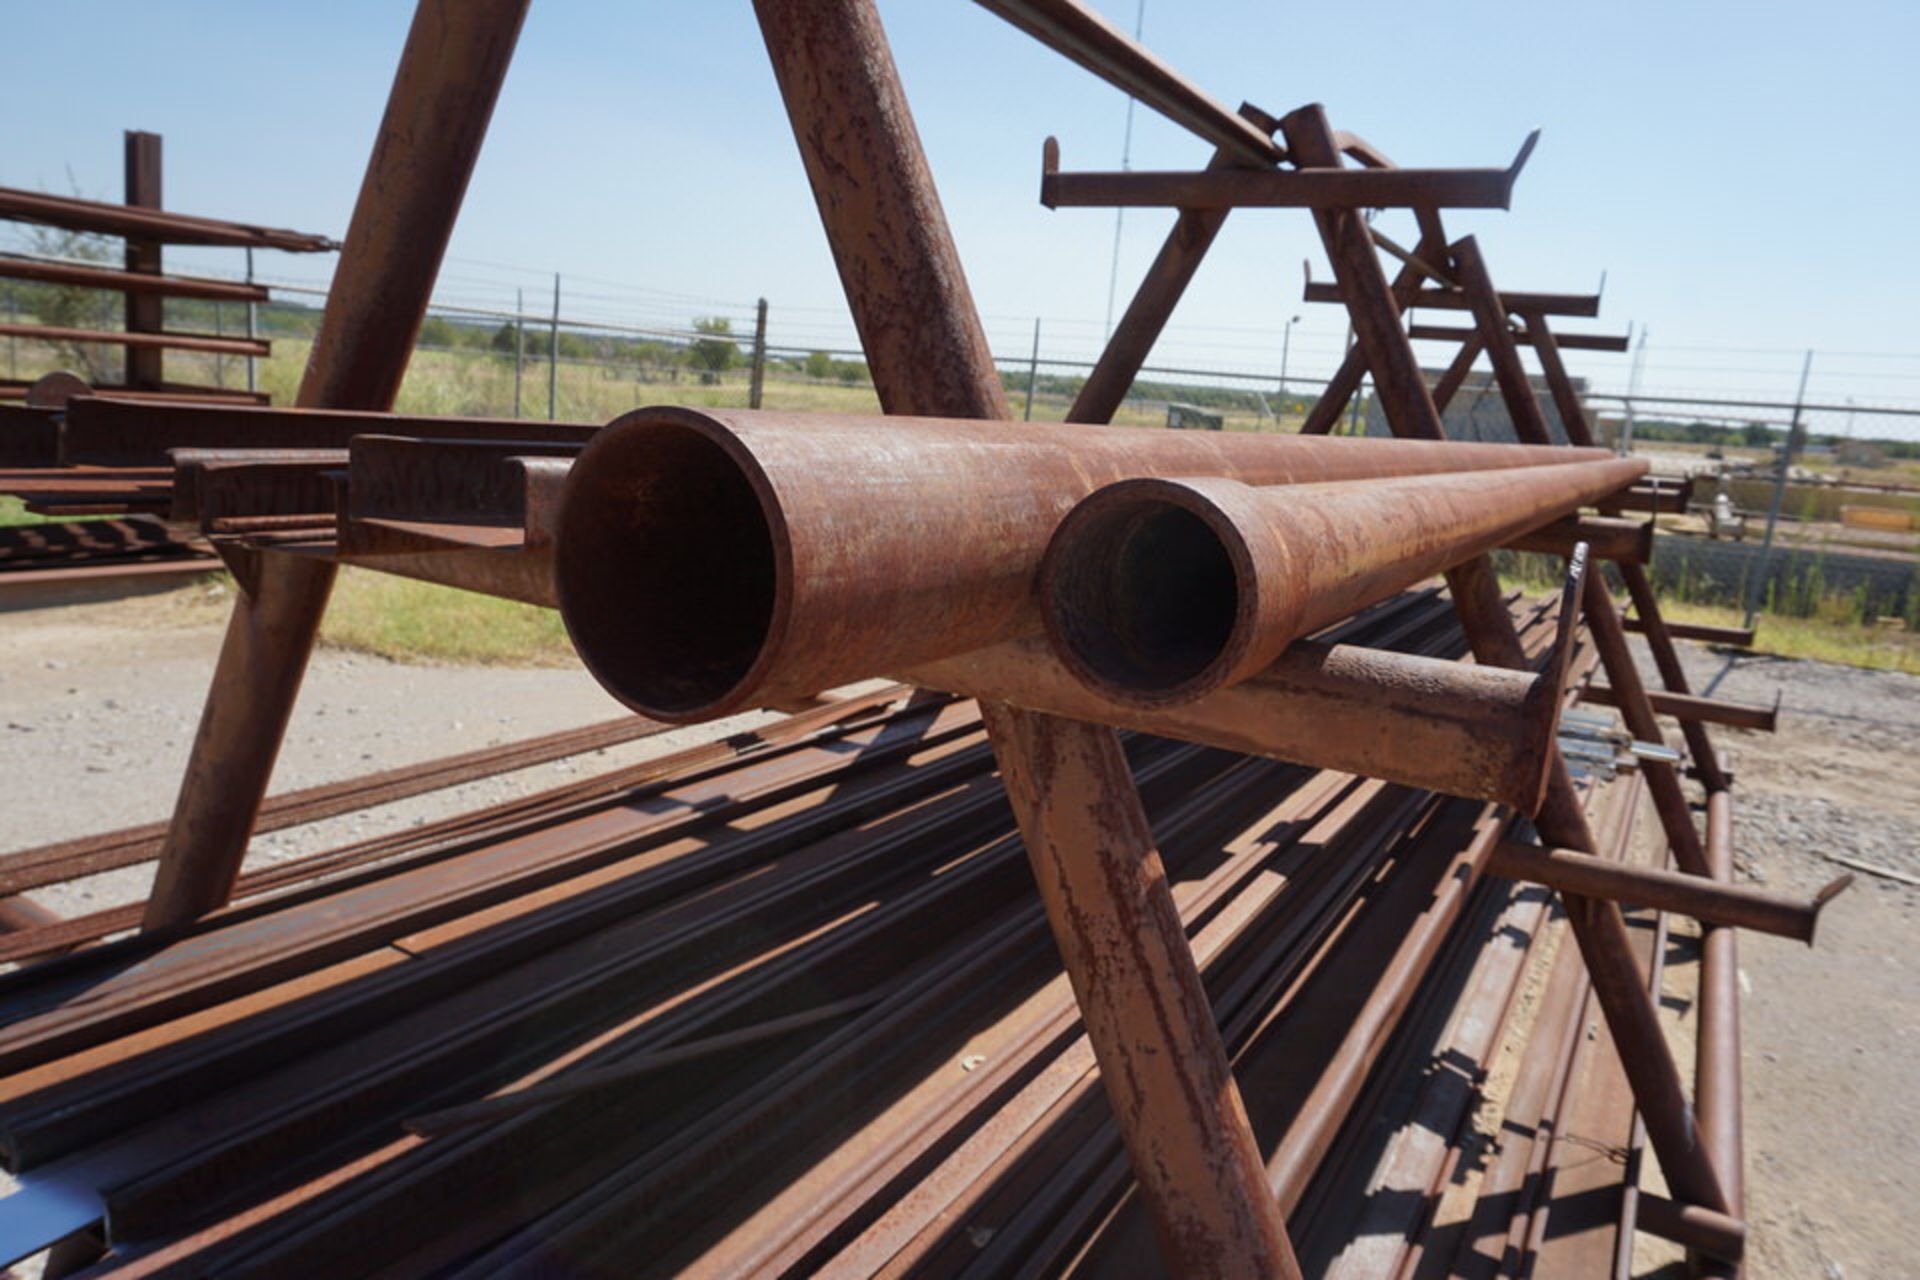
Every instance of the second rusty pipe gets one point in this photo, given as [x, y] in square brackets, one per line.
[709, 561]
[1159, 591]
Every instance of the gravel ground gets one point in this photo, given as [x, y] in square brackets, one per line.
[98, 705]
[1831, 1033]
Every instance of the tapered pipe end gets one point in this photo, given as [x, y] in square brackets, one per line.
[1150, 592]
[1833, 889]
[668, 565]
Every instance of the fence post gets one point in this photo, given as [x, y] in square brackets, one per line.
[519, 344]
[253, 330]
[553, 355]
[1787, 451]
[144, 367]
[1033, 368]
[757, 378]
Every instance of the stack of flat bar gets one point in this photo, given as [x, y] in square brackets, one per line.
[39, 559]
[834, 1019]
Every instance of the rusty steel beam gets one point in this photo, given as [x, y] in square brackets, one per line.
[150, 224]
[1530, 424]
[142, 341]
[1081, 35]
[14, 267]
[1301, 188]
[1598, 927]
[1666, 660]
[1159, 591]
[1709, 901]
[1663, 779]
[443, 94]
[1736, 637]
[1345, 383]
[1554, 304]
[1371, 304]
[1525, 338]
[1720, 1234]
[171, 392]
[1462, 730]
[1106, 893]
[131, 432]
[1140, 997]
[1606, 538]
[743, 537]
[1153, 302]
[1685, 706]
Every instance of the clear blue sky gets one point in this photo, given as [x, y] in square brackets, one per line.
[1742, 172]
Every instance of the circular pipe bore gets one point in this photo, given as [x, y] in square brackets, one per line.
[1145, 589]
[669, 566]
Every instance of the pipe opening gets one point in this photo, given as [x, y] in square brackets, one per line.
[1143, 594]
[666, 569]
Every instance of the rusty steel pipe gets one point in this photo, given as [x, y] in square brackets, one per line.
[1720, 1234]
[1709, 901]
[1736, 637]
[1717, 1082]
[708, 561]
[1687, 706]
[1159, 591]
[1464, 730]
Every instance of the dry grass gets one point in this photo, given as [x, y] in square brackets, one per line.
[1849, 644]
[410, 621]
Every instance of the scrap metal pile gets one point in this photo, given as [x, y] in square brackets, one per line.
[1317, 843]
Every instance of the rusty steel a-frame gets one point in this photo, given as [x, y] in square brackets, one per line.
[1099, 874]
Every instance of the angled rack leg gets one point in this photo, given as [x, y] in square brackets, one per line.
[443, 94]
[1646, 605]
[1619, 984]
[1530, 424]
[1099, 873]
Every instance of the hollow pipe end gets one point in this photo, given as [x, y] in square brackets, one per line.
[673, 566]
[1150, 591]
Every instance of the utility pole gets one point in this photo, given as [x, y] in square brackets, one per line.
[756, 380]
[1126, 163]
[1033, 367]
[1633, 389]
[519, 343]
[1787, 451]
[1286, 346]
[553, 355]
